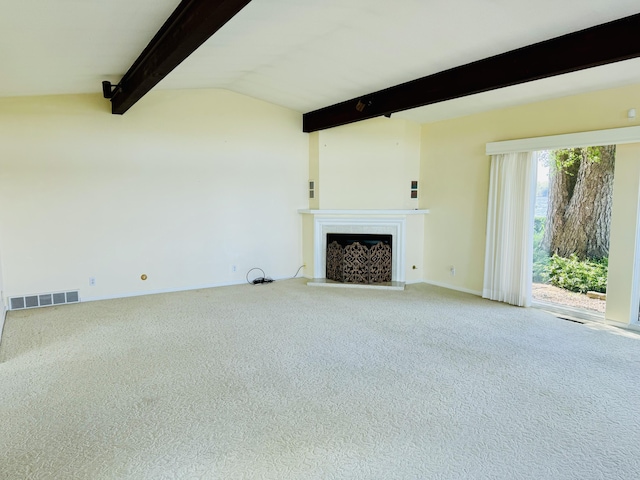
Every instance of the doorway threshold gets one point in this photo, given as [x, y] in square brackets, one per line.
[582, 316]
[570, 313]
[590, 319]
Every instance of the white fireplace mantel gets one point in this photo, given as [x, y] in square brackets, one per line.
[386, 222]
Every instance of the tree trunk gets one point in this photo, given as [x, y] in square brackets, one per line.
[561, 186]
[587, 217]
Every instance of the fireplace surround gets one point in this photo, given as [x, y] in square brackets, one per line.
[375, 222]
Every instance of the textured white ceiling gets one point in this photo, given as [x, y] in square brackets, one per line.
[301, 54]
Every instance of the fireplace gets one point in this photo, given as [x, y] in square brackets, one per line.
[319, 224]
[359, 258]
[390, 226]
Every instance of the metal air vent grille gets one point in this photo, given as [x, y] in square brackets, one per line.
[43, 300]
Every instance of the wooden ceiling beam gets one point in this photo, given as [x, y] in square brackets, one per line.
[188, 27]
[600, 45]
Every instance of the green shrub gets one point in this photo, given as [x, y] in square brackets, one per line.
[568, 273]
[578, 275]
[540, 266]
[540, 256]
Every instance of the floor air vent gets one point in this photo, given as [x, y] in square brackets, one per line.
[571, 320]
[43, 300]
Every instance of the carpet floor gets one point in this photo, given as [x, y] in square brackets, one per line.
[285, 381]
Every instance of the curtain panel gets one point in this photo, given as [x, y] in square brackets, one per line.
[509, 243]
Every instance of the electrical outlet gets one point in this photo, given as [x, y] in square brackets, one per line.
[234, 268]
[452, 270]
[92, 281]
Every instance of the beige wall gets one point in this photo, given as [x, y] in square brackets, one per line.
[368, 165]
[189, 183]
[626, 195]
[182, 187]
[455, 172]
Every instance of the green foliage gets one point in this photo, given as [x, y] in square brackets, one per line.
[568, 273]
[578, 275]
[540, 256]
[568, 162]
[540, 266]
[568, 159]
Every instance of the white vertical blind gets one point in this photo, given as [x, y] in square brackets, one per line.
[509, 247]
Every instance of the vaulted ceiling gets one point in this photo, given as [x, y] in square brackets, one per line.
[300, 54]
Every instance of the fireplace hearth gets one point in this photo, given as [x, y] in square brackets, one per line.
[359, 258]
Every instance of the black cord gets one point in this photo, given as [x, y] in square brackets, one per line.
[258, 280]
[301, 267]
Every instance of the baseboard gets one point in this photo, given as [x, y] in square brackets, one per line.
[229, 284]
[453, 287]
[173, 290]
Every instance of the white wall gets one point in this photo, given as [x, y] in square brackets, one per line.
[182, 187]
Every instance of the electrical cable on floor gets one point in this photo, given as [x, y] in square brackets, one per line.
[258, 280]
[301, 267]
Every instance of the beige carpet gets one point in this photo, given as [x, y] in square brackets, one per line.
[285, 381]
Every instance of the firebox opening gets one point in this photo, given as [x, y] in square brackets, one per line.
[359, 258]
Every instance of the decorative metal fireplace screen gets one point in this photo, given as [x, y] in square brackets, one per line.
[359, 258]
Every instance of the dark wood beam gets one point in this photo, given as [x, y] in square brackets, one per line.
[607, 43]
[188, 27]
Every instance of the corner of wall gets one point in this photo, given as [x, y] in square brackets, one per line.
[314, 169]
